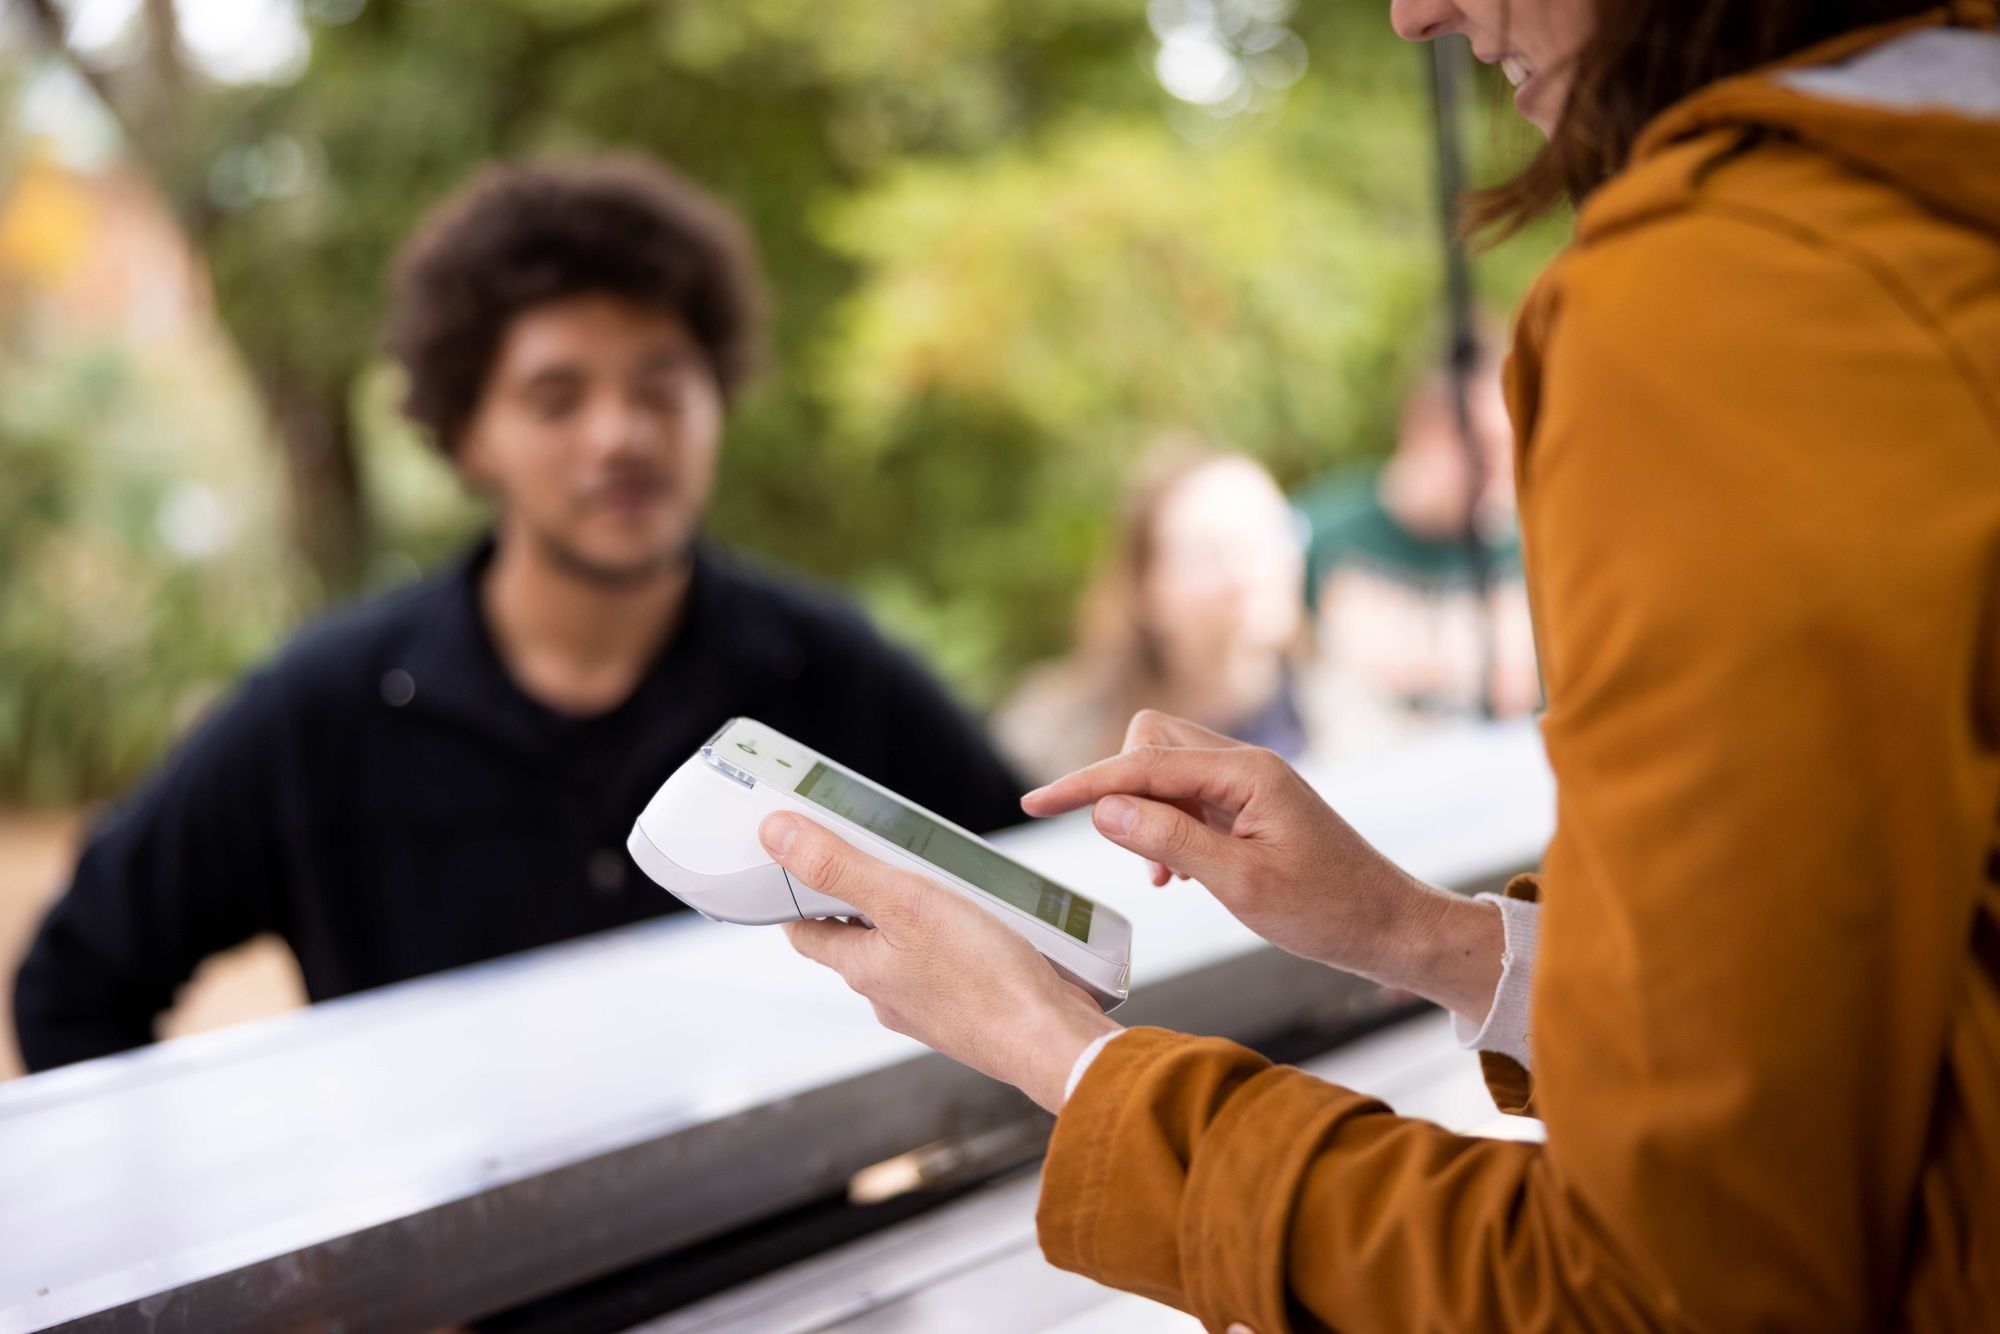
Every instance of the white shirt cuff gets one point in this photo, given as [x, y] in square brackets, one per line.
[1506, 1028]
[1083, 1060]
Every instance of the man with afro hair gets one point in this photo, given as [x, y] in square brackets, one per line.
[447, 774]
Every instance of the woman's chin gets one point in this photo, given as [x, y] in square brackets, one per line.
[1538, 104]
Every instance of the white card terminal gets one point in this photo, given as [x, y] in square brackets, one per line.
[697, 838]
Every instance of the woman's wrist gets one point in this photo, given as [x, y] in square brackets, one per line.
[1448, 949]
[1066, 1029]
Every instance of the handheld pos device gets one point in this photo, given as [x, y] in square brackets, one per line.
[697, 838]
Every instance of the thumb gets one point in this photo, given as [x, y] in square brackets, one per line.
[1163, 833]
[821, 859]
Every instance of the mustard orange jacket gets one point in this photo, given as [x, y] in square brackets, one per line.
[1759, 402]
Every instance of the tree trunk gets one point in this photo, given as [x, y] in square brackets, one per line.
[315, 426]
[324, 476]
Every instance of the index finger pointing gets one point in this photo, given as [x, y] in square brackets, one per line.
[1222, 777]
[1151, 727]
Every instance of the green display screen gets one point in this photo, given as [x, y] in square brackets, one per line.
[947, 849]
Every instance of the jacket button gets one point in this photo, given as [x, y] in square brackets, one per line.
[607, 871]
[398, 687]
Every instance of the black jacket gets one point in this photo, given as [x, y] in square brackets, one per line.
[386, 799]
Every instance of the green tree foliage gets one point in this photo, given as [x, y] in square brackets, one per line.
[1028, 323]
[117, 621]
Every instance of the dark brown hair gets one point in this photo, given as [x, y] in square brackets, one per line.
[520, 236]
[1641, 58]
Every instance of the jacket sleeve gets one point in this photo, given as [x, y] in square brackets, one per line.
[1757, 906]
[187, 868]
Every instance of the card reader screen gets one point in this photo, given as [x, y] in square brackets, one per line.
[947, 849]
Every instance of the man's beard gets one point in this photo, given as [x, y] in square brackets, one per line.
[566, 559]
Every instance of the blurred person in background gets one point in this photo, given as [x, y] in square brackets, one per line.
[447, 774]
[1196, 613]
[1402, 633]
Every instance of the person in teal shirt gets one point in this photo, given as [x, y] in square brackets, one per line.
[1401, 628]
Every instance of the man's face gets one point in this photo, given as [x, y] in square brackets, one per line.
[597, 434]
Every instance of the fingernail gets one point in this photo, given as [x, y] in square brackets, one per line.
[1028, 797]
[1115, 815]
[777, 831]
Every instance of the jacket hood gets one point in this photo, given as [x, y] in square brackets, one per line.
[1916, 104]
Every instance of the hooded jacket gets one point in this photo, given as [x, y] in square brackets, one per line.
[1759, 406]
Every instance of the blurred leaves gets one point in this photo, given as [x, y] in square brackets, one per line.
[1118, 283]
[116, 623]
